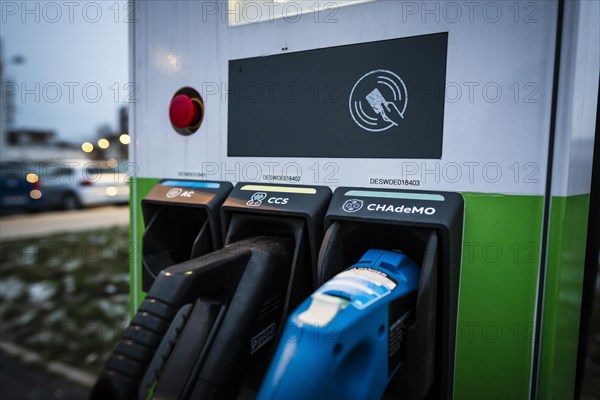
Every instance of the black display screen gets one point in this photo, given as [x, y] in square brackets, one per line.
[381, 99]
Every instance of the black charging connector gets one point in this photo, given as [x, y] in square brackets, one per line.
[229, 296]
[208, 325]
[295, 213]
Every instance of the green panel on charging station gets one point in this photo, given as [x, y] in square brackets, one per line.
[562, 296]
[497, 300]
[139, 187]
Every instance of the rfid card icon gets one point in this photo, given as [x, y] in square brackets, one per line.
[378, 100]
[256, 199]
[352, 205]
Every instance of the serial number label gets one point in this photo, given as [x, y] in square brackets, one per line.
[282, 178]
[394, 182]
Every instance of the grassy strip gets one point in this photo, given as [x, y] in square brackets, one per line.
[65, 296]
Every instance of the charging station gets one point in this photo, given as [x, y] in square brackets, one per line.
[277, 143]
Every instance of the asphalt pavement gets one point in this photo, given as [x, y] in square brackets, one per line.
[20, 380]
[24, 226]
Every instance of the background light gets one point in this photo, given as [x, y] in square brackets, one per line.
[103, 143]
[125, 138]
[32, 178]
[87, 147]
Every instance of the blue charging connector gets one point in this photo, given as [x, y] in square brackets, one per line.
[346, 340]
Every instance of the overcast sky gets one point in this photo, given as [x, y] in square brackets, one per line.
[76, 65]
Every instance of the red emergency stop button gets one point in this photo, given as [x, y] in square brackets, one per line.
[184, 112]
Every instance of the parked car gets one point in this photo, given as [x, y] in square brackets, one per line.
[67, 185]
[15, 191]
